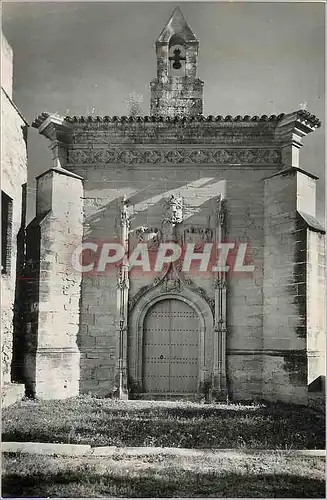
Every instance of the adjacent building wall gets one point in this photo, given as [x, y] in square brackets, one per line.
[13, 179]
[6, 66]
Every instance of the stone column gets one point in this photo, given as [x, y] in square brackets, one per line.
[162, 60]
[219, 385]
[52, 369]
[122, 308]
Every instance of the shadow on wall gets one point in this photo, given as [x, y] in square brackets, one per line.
[318, 385]
[317, 394]
[19, 327]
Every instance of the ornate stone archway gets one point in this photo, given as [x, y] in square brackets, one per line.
[172, 286]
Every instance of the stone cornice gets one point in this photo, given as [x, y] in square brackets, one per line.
[40, 119]
[300, 116]
[243, 130]
[59, 132]
[189, 119]
[292, 170]
[53, 127]
[295, 126]
[160, 119]
[304, 117]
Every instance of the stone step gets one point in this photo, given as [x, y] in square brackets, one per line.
[11, 394]
[81, 449]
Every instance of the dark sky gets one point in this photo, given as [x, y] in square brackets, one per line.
[79, 58]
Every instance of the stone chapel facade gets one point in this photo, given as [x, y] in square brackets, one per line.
[176, 175]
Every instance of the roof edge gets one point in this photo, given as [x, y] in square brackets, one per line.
[15, 107]
[311, 222]
[40, 119]
[292, 169]
[62, 171]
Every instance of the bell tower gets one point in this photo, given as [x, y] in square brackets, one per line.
[176, 91]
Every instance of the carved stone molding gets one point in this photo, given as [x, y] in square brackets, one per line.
[142, 232]
[191, 234]
[123, 282]
[220, 284]
[255, 156]
[220, 211]
[124, 216]
[150, 235]
[174, 210]
[121, 390]
[198, 235]
[173, 280]
[185, 291]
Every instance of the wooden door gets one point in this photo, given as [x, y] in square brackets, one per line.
[171, 349]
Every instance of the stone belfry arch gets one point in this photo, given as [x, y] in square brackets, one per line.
[176, 91]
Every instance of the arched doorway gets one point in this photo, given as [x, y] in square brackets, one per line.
[171, 345]
[158, 316]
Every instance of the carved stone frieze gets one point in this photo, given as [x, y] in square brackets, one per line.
[196, 134]
[255, 156]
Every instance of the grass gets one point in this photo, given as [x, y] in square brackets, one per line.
[105, 422]
[256, 476]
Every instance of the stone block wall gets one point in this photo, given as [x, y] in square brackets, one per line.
[292, 309]
[176, 96]
[13, 179]
[97, 334]
[52, 358]
[284, 304]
